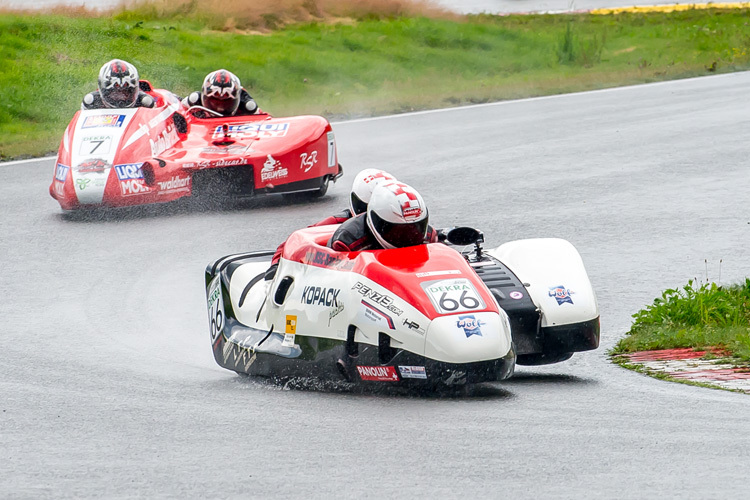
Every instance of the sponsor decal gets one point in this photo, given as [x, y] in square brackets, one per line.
[411, 209]
[291, 324]
[561, 294]
[99, 145]
[59, 189]
[288, 340]
[215, 163]
[129, 171]
[377, 297]
[413, 325]
[320, 296]
[470, 324]
[272, 170]
[453, 295]
[378, 373]
[61, 172]
[253, 130]
[103, 121]
[82, 183]
[131, 179]
[335, 312]
[413, 372]
[515, 295]
[374, 314]
[232, 149]
[92, 166]
[438, 273]
[165, 140]
[215, 303]
[308, 161]
[322, 259]
[331, 149]
[175, 184]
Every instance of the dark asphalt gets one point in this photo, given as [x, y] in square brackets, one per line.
[108, 387]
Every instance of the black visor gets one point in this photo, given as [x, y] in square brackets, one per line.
[400, 235]
[226, 105]
[358, 206]
[120, 97]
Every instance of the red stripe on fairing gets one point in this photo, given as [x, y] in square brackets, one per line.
[381, 313]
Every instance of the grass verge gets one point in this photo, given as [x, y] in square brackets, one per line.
[694, 316]
[366, 64]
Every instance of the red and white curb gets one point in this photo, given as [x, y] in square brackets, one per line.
[686, 364]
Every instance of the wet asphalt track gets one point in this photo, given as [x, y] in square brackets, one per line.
[108, 387]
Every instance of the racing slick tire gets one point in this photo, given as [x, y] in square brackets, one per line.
[542, 358]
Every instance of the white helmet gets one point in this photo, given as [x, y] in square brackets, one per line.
[118, 84]
[397, 215]
[362, 187]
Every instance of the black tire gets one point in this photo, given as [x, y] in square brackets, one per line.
[543, 358]
[307, 195]
[323, 189]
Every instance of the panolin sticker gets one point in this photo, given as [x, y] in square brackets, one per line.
[378, 373]
[413, 372]
[453, 295]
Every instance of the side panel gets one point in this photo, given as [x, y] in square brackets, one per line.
[555, 279]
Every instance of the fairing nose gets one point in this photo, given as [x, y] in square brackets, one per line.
[468, 338]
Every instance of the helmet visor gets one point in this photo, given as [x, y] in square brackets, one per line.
[120, 96]
[226, 105]
[358, 206]
[400, 235]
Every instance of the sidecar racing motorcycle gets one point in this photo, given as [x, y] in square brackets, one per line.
[136, 156]
[424, 315]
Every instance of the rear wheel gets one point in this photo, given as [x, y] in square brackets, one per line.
[542, 358]
[317, 193]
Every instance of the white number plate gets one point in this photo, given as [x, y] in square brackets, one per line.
[453, 296]
[95, 146]
[331, 150]
[216, 316]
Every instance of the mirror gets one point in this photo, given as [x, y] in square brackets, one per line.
[464, 236]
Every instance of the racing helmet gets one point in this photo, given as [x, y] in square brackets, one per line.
[221, 92]
[118, 84]
[362, 187]
[397, 215]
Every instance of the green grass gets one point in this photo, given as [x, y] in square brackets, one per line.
[695, 316]
[357, 67]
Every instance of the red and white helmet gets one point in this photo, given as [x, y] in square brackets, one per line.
[118, 84]
[221, 92]
[397, 215]
[362, 187]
